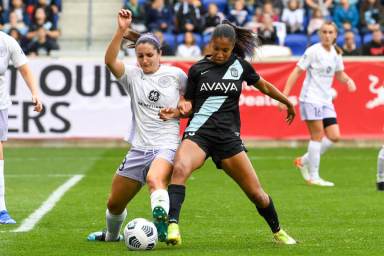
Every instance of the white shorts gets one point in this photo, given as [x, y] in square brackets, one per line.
[3, 124]
[311, 111]
[137, 162]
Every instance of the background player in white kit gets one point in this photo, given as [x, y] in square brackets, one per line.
[152, 87]
[323, 62]
[10, 50]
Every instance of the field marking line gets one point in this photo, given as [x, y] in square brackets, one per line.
[29, 223]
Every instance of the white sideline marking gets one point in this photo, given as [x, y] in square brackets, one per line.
[39, 213]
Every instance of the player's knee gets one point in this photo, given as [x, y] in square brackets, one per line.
[180, 170]
[154, 183]
[334, 138]
[259, 198]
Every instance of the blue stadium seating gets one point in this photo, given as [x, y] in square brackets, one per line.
[297, 43]
[170, 39]
[340, 40]
[313, 39]
[206, 38]
[198, 38]
[221, 4]
[367, 38]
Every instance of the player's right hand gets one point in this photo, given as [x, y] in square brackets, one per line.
[185, 107]
[124, 19]
[282, 106]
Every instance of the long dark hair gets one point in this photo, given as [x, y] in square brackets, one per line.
[244, 40]
[136, 38]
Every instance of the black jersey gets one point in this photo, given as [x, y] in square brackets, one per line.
[215, 91]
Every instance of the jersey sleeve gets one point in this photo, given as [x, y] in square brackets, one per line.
[339, 63]
[126, 79]
[305, 60]
[249, 74]
[182, 77]
[191, 83]
[17, 55]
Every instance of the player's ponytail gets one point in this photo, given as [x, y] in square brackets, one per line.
[245, 41]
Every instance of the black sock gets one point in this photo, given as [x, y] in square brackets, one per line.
[270, 215]
[176, 199]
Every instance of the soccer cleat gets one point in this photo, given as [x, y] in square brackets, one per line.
[5, 218]
[302, 167]
[380, 186]
[174, 236]
[320, 182]
[160, 219]
[100, 236]
[282, 237]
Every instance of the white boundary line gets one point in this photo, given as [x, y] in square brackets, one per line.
[39, 213]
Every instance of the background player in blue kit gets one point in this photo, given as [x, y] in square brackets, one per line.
[213, 90]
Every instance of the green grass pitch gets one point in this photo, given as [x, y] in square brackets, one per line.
[216, 219]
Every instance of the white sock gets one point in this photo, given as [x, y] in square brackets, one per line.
[2, 187]
[325, 145]
[114, 223]
[314, 148]
[380, 166]
[160, 197]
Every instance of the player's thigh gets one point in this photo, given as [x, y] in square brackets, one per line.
[122, 192]
[189, 157]
[315, 128]
[240, 169]
[332, 132]
[159, 174]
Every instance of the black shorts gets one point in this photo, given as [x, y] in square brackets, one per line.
[217, 147]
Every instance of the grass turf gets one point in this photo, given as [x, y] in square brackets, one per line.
[216, 219]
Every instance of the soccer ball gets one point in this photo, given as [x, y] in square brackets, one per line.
[140, 234]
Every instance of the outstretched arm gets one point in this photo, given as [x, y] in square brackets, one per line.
[342, 77]
[29, 79]
[124, 19]
[270, 90]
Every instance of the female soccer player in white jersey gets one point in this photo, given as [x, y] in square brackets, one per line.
[213, 92]
[10, 50]
[323, 62]
[151, 87]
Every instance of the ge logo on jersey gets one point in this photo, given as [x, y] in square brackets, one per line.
[154, 96]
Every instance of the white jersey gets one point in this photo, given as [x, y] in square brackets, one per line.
[321, 66]
[10, 50]
[149, 93]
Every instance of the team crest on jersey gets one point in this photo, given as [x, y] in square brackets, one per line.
[3, 51]
[165, 81]
[234, 72]
[328, 70]
[154, 96]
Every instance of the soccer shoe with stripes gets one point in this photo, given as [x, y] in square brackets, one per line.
[320, 182]
[174, 236]
[100, 236]
[302, 167]
[160, 219]
[282, 237]
[5, 218]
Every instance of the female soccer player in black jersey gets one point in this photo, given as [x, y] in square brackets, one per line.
[212, 96]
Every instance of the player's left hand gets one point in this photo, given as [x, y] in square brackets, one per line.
[37, 103]
[168, 113]
[291, 113]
